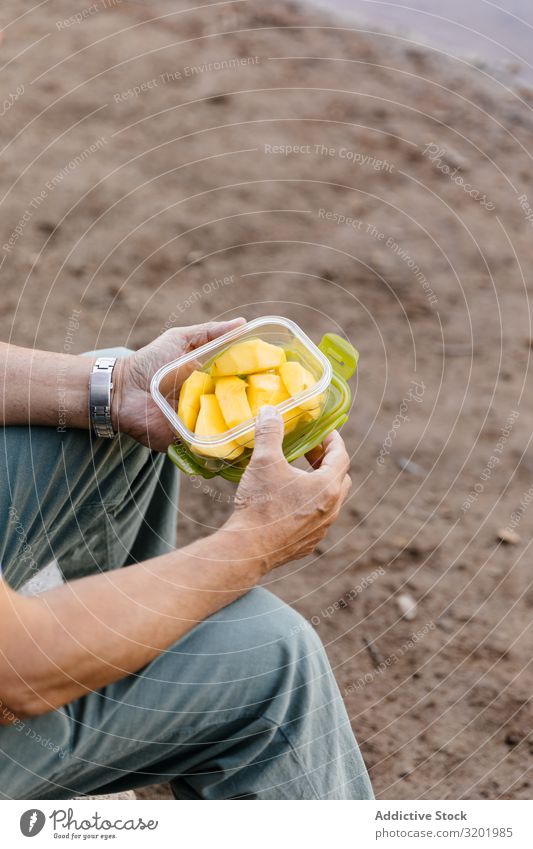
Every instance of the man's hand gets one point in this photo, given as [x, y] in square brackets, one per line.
[285, 510]
[134, 411]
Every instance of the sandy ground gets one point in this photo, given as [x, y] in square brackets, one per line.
[128, 206]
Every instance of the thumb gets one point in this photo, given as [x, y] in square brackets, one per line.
[269, 434]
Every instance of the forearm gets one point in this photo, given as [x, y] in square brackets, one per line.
[94, 631]
[43, 388]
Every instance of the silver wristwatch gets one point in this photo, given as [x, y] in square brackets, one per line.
[100, 395]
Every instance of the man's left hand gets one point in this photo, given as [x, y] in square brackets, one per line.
[134, 411]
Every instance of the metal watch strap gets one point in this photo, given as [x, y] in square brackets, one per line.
[100, 394]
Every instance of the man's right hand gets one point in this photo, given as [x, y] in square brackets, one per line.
[287, 511]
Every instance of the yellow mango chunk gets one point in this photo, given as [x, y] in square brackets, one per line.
[310, 415]
[293, 376]
[248, 440]
[231, 395]
[313, 406]
[265, 389]
[197, 384]
[292, 418]
[269, 389]
[248, 357]
[298, 379]
[211, 422]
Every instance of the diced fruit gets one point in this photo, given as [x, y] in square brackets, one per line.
[197, 384]
[265, 389]
[293, 376]
[310, 415]
[297, 379]
[211, 423]
[291, 419]
[247, 440]
[231, 396]
[243, 379]
[248, 357]
[269, 389]
[313, 406]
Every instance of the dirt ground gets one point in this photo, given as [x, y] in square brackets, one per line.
[131, 206]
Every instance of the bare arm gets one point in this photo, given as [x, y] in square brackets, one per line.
[91, 632]
[43, 388]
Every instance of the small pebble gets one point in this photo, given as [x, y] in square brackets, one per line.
[456, 159]
[508, 536]
[194, 256]
[127, 795]
[407, 606]
[411, 468]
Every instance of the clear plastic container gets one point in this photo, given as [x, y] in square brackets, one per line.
[272, 329]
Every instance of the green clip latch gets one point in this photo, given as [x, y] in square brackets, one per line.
[341, 354]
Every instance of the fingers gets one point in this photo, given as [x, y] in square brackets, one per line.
[269, 434]
[335, 461]
[315, 456]
[200, 334]
[346, 488]
[218, 328]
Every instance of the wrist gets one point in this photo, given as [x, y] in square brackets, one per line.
[69, 382]
[117, 420]
[248, 545]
